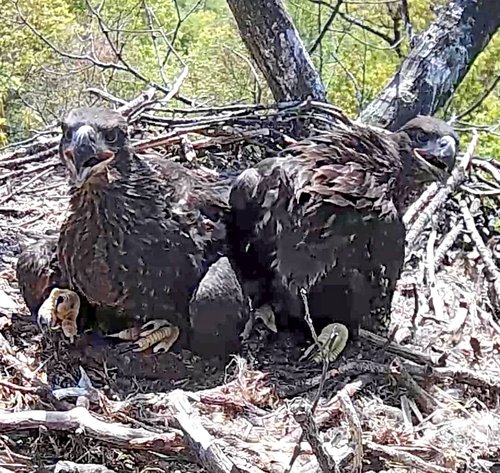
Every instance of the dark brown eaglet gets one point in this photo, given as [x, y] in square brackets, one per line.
[145, 236]
[325, 217]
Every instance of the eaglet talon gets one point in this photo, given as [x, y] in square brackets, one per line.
[332, 341]
[159, 334]
[62, 305]
[128, 335]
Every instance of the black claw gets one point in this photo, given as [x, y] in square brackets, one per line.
[126, 347]
[43, 322]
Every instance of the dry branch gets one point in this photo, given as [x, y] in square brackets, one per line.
[80, 419]
[303, 416]
[407, 459]
[491, 269]
[71, 467]
[201, 443]
[425, 401]
[437, 303]
[420, 203]
[356, 431]
[396, 349]
[446, 244]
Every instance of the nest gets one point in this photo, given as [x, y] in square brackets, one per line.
[425, 401]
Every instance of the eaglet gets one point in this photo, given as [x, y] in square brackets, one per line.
[147, 238]
[324, 219]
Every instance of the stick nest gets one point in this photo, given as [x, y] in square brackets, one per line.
[426, 402]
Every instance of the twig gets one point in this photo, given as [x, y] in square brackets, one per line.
[8, 358]
[177, 84]
[409, 460]
[81, 419]
[368, 28]
[462, 375]
[137, 104]
[304, 418]
[71, 467]
[447, 243]
[488, 167]
[105, 95]
[437, 302]
[200, 441]
[482, 379]
[258, 88]
[40, 156]
[491, 269]
[326, 26]
[17, 190]
[490, 192]
[5, 470]
[425, 401]
[420, 203]
[405, 13]
[24, 172]
[395, 348]
[324, 371]
[356, 430]
[120, 65]
[17, 387]
[149, 19]
[480, 99]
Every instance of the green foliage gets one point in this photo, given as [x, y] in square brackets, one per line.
[354, 63]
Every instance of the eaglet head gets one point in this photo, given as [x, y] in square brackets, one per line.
[92, 139]
[430, 146]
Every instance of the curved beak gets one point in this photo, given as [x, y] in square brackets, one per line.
[437, 158]
[85, 153]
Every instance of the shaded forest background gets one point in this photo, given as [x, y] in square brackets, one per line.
[43, 45]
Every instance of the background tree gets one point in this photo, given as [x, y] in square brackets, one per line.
[355, 47]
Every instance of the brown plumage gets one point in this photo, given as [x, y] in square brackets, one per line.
[325, 216]
[38, 271]
[145, 236]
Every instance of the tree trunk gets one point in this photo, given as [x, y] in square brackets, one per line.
[278, 51]
[435, 67]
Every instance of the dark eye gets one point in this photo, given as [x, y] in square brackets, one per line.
[422, 137]
[111, 136]
[68, 133]
[59, 300]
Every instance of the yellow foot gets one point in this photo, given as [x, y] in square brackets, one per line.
[62, 305]
[159, 334]
[332, 341]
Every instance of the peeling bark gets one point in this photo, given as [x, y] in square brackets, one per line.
[275, 46]
[440, 60]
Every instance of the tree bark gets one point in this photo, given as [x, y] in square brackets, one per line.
[275, 46]
[435, 67]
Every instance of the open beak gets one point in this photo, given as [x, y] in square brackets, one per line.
[437, 158]
[86, 155]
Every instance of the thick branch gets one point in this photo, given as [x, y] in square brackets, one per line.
[437, 64]
[81, 418]
[209, 454]
[276, 48]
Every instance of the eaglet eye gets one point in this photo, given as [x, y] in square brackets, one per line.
[68, 133]
[422, 137]
[111, 136]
